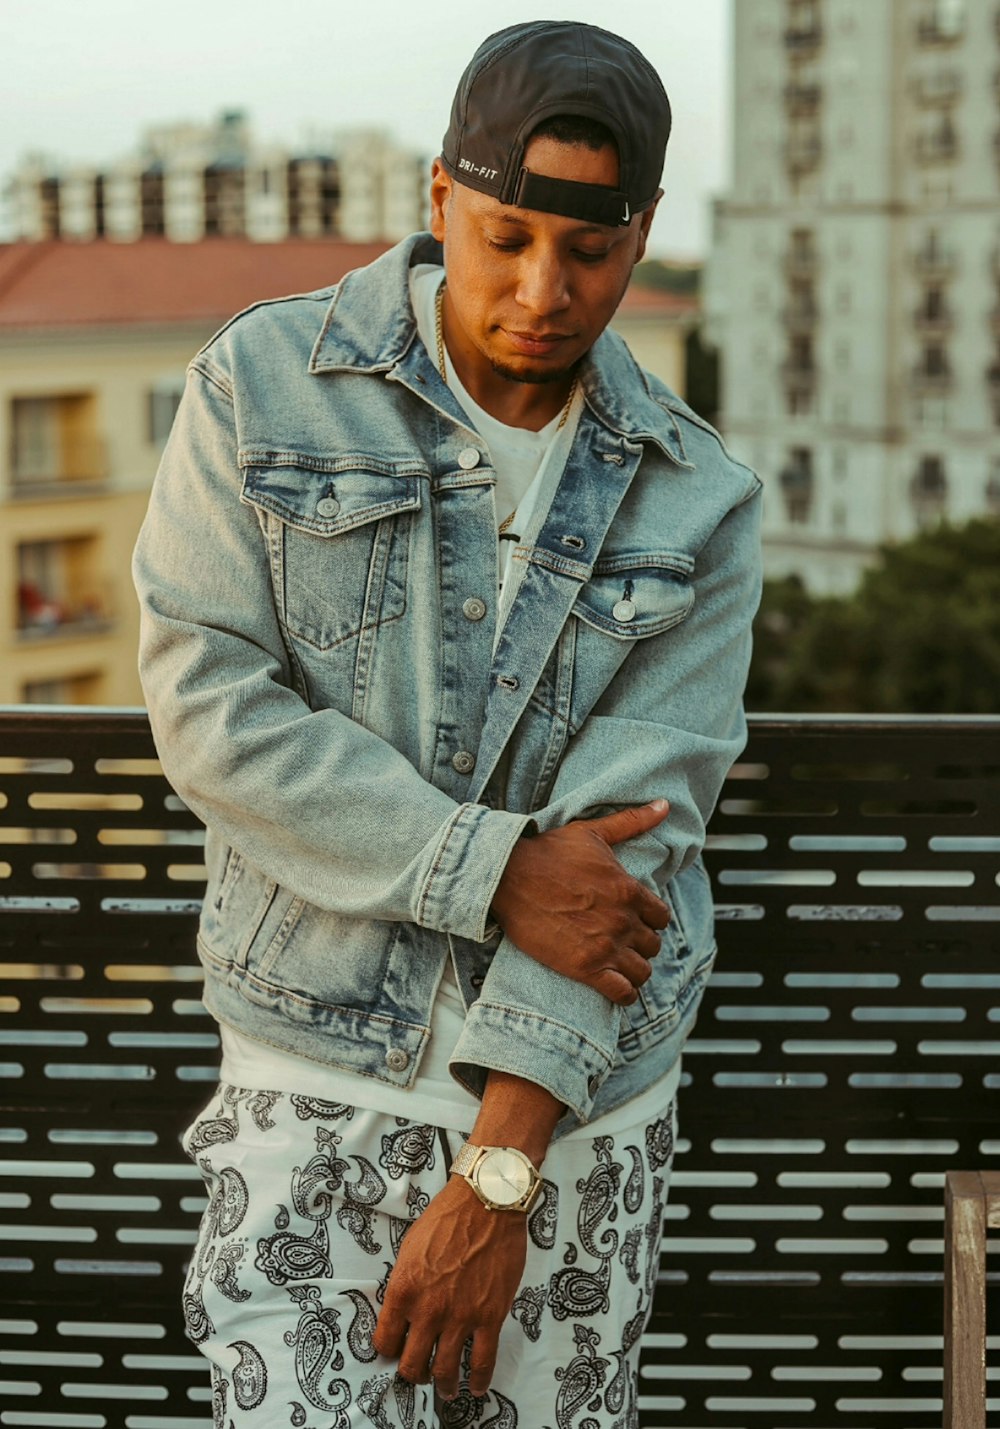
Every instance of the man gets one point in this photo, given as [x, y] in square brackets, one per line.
[444, 601]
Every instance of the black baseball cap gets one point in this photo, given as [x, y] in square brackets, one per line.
[543, 68]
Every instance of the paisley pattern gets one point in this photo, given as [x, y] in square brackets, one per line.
[308, 1204]
[249, 1376]
[408, 1150]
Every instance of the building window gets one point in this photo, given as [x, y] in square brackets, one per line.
[152, 201]
[937, 142]
[797, 485]
[81, 689]
[54, 439]
[59, 588]
[929, 491]
[941, 21]
[162, 402]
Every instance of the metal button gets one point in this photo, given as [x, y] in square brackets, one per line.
[624, 611]
[329, 506]
[474, 608]
[397, 1060]
[463, 762]
[477, 979]
[468, 457]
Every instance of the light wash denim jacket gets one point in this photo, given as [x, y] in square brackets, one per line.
[324, 693]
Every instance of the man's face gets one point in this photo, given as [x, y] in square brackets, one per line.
[529, 292]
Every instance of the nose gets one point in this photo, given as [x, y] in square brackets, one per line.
[542, 287]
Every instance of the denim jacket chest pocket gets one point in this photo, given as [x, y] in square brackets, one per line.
[631, 595]
[338, 533]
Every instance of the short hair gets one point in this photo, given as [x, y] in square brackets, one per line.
[575, 129]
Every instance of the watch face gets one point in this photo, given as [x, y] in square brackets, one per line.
[502, 1178]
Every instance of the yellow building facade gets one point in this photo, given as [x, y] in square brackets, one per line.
[94, 341]
[81, 430]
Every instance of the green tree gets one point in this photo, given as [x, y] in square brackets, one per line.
[920, 635]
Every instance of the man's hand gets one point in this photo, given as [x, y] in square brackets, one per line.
[566, 901]
[454, 1280]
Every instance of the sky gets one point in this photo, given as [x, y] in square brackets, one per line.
[82, 78]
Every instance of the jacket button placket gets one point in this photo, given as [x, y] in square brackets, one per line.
[467, 547]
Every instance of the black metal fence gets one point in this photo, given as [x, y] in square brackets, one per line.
[846, 1055]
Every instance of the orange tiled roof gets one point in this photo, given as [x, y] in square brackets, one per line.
[66, 284]
[155, 281]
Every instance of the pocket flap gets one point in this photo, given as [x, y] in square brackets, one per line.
[629, 596]
[328, 502]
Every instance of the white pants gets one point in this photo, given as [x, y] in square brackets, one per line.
[308, 1204]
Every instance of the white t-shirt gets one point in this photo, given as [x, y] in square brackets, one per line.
[527, 466]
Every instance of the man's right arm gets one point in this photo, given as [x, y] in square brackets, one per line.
[322, 805]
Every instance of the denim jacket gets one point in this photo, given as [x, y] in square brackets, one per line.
[324, 694]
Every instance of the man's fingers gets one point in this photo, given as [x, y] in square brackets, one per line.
[646, 941]
[448, 1364]
[615, 986]
[628, 823]
[635, 967]
[415, 1361]
[652, 910]
[483, 1359]
[390, 1332]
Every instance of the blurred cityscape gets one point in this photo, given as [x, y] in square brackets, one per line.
[845, 336]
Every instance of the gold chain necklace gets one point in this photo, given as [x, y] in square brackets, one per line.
[439, 334]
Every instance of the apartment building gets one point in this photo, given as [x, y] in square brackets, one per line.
[188, 181]
[94, 341]
[854, 283]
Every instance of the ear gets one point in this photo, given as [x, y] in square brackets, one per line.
[440, 197]
[645, 223]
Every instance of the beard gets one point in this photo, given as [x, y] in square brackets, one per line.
[535, 378]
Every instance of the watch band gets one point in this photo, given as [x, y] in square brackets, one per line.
[466, 1158]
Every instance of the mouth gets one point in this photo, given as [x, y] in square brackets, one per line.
[536, 344]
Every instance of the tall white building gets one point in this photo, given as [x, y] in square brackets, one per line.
[854, 284]
[188, 181]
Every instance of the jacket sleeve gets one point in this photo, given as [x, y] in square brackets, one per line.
[671, 729]
[317, 802]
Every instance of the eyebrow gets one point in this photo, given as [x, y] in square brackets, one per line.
[598, 229]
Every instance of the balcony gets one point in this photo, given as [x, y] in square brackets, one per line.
[927, 383]
[800, 317]
[803, 38]
[802, 261]
[930, 323]
[940, 88]
[842, 1062]
[84, 467]
[799, 378]
[934, 260]
[802, 99]
[803, 155]
[938, 146]
[945, 27]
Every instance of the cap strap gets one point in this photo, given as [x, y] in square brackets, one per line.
[592, 203]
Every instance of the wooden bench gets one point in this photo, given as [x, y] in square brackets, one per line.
[972, 1206]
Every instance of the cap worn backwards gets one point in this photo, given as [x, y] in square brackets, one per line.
[535, 71]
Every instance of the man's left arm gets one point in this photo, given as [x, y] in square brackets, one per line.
[674, 729]
[460, 1265]
[671, 726]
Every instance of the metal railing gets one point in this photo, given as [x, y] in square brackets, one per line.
[845, 1058]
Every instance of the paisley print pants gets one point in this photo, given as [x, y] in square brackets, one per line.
[308, 1204]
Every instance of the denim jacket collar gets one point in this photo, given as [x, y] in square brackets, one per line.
[369, 327]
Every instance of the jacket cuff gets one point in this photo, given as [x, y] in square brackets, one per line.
[466, 869]
[537, 1047]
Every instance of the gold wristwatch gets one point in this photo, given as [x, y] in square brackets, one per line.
[502, 1177]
